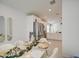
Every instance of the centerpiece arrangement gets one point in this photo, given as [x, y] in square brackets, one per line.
[17, 51]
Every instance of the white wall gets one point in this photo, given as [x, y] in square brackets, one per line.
[18, 21]
[70, 27]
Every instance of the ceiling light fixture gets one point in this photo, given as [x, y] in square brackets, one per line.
[51, 3]
[50, 10]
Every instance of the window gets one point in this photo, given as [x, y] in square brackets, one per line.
[47, 28]
[52, 27]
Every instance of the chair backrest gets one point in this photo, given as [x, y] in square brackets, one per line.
[54, 53]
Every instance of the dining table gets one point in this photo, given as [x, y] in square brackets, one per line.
[35, 52]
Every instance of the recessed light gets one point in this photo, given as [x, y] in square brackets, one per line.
[50, 10]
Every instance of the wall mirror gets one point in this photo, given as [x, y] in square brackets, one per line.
[9, 28]
[2, 28]
[5, 29]
[54, 26]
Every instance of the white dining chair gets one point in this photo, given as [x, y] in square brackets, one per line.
[54, 53]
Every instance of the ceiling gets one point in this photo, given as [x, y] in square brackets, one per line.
[37, 7]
